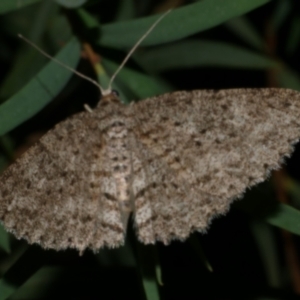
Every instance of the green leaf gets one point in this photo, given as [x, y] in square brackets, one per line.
[89, 20]
[71, 3]
[285, 217]
[9, 5]
[126, 11]
[289, 79]
[7, 289]
[45, 277]
[197, 247]
[260, 203]
[7, 146]
[267, 247]
[60, 30]
[27, 60]
[293, 188]
[40, 90]
[22, 270]
[197, 17]
[191, 53]
[149, 268]
[150, 288]
[293, 37]
[280, 14]
[244, 29]
[3, 162]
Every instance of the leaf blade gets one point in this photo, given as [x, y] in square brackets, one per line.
[40, 90]
[198, 17]
[10, 5]
[194, 53]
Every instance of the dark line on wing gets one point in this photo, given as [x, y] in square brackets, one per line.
[147, 222]
[110, 197]
[112, 227]
[141, 193]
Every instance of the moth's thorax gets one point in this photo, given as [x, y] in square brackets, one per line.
[118, 153]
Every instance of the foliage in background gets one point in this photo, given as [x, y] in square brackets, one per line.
[201, 44]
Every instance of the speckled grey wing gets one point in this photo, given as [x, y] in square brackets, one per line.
[195, 152]
[59, 193]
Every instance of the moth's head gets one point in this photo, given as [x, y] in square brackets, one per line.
[109, 96]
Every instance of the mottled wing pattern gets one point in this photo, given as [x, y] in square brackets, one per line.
[195, 152]
[61, 192]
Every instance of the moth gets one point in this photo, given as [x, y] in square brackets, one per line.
[174, 161]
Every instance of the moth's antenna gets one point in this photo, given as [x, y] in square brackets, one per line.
[103, 91]
[108, 90]
[62, 64]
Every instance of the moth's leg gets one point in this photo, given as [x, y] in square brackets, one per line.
[87, 108]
